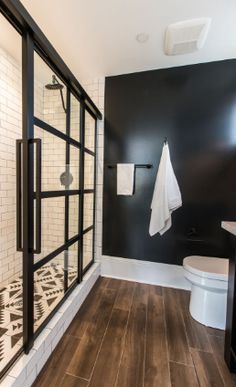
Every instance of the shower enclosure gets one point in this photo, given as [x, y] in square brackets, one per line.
[47, 181]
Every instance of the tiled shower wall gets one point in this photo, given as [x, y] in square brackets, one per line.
[47, 102]
[10, 130]
[95, 89]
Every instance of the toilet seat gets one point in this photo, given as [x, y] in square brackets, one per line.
[207, 267]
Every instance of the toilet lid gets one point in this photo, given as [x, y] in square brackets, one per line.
[207, 267]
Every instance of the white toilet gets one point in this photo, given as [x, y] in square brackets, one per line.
[209, 283]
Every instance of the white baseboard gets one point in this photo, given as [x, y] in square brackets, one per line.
[144, 271]
[27, 367]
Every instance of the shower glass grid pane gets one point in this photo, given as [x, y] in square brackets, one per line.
[49, 95]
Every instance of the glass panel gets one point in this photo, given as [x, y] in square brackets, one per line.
[88, 210]
[48, 101]
[48, 288]
[89, 140]
[88, 171]
[53, 215]
[74, 166]
[72, 265]
[75, 119]
[10, 129]
[87, 248]
[53, 160]
[73, 215]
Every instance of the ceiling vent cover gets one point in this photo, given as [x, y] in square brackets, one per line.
[186, 36]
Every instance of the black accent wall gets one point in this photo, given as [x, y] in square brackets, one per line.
[195, 107]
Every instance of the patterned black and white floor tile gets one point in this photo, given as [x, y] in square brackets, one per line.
[48, 291]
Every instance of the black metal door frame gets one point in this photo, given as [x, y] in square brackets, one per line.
[69, 141]
[28, 187]
[34, 40]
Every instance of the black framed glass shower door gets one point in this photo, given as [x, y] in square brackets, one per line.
[54, 174]
[61, 165]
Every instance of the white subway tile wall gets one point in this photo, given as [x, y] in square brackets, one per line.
[10, 130]
[88, 248]
[96, 89]
[88, 210]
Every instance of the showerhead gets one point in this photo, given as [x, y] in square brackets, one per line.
[55, 85]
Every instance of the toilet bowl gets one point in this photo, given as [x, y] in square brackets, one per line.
[209, 283]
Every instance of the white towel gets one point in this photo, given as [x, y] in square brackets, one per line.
[166, 195]
[125, 179]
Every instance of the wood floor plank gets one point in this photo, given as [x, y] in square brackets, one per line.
[215, 332]
[114, 283]
[156, 362]
[131, 371]
[182, 375]
[72, 381]
[107, 364]
[58, 362]
[206, 369]
[125, 295]
[196, 333]
[84, 357]
[86, 312]
[217, 344]
[103, 281]
[140, 298]
[156, 290]
[176, 335]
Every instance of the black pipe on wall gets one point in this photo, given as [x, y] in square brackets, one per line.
[195, 107]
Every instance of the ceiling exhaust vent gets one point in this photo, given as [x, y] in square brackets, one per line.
[186, 36]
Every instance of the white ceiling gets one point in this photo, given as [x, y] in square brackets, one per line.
[97, 37]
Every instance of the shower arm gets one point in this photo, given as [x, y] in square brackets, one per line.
[62, 100]
[62, 97]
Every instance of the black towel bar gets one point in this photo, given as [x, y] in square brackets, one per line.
[148, 166]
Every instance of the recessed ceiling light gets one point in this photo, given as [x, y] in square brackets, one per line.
[142, 37]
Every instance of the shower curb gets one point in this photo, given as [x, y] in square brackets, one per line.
[27, 367]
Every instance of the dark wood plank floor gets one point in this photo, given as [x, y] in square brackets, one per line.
[128, 334]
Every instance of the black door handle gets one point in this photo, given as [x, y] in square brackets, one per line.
[38, 169]
[19, 244]
[18, 197]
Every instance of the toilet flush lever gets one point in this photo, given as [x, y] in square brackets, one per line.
[193, 235]
[192, 232]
